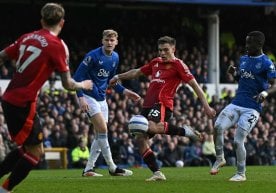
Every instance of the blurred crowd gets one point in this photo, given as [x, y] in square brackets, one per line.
[139, 30]
[64, 125]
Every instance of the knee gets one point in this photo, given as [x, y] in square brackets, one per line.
[219, 128]
[237, 143]
[35, 150]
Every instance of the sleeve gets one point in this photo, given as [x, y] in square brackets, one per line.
[61, 58]
[12, 50]
[184, 72]
[147, 68]
[271, 72]
[114, 71]
[118, 87]
[81, 72]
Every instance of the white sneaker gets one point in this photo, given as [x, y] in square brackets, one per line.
[238, 178]
[157, 176]
[3, 190]
[218, 163]
[121, 172]
[91, 173]
[191, 133]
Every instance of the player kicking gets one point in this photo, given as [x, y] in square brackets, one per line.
[167, 73]
[255, 72]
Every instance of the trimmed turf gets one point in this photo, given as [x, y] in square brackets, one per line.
[260, 179]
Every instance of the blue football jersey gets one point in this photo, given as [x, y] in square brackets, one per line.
[100, 68]
[254, 74]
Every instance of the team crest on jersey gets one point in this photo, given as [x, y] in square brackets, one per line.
[158, 74]
[258, 65]
[87, 60]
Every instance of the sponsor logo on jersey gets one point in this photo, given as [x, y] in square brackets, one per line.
[158, 80]
[245, 74]
[100, 62]
[103, 73]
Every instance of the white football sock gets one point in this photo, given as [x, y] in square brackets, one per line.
[240, 149]
[94, 154]
[104, 145]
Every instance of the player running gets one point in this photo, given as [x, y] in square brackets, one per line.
[255, 71]
[37, 55]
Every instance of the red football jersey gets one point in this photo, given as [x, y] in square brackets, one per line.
[37, 55]
[166, 77]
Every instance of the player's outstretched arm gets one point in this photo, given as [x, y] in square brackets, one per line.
[272, 89]
[133, 95]
[262, 95]
[211, 113]
[70, 84]
[134, 73]
[232, 70]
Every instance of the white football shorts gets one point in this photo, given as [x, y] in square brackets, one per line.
[246, 118]
[97, 107]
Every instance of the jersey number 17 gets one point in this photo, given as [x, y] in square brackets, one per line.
[22, 65]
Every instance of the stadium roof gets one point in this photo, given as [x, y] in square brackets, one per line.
[214, 2]
[206, 2]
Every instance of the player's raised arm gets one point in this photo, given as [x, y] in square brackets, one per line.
[209, 111]
[134, 73]
[272, 89]
[70, 84]
[133, 95]
[262, 95]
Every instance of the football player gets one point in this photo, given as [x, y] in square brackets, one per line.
[254, 74]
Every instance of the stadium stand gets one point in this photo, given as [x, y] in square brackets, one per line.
[63, 122]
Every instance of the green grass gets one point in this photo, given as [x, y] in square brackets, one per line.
[260, 179]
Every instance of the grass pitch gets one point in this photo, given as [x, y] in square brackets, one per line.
[260, 179]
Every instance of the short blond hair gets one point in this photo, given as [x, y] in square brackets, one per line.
[110, 32]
